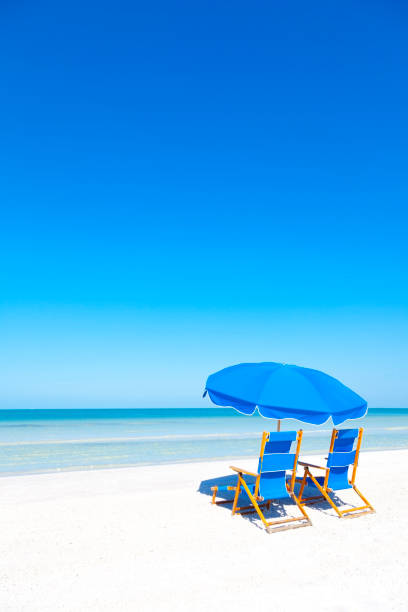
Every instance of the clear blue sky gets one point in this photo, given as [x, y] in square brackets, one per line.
[188, 185]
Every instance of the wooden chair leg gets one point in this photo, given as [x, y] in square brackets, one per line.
[349, 513]
[325, 495]
[221, 502]
[363, 498]
[254, 502]
[362, 510]
[281, 524]
[302, 486]
[301, 508]
[234, 505]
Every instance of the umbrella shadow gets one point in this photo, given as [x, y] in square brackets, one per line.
[277, 508]
[322, 505]
[275, 511]
[220, 481]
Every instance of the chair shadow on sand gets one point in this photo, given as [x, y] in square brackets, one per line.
[277, 508]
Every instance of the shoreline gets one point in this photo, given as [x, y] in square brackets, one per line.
[114, 467]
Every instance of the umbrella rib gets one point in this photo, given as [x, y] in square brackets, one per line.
[316, 389]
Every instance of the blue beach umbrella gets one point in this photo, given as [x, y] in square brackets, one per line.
[281, 391]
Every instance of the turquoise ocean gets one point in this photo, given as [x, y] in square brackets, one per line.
[33, 441]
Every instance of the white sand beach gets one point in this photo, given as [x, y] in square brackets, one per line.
[146, 538]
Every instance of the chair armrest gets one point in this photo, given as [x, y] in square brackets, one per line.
[240, 471]
[319, 467]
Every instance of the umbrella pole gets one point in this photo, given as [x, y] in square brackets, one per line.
[278, 426]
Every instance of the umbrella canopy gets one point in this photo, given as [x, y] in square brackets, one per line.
[282, 391]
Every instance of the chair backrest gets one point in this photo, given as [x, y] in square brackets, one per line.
[275, 458]
[342, 456]
[279, 441]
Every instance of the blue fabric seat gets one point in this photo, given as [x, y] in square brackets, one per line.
[272, 468]
[339, 461]
[341, 457]
[271, 483]
[334, 486]
[271, 487]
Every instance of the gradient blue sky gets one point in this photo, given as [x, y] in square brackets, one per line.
[189, 185]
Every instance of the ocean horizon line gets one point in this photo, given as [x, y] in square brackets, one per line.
[215, 408]
[38, 439]
[176, 437]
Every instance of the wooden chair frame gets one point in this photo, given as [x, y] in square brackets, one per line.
[258, 502]
[324, 490]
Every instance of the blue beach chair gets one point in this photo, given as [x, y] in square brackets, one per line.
[341, 458]
[270, 482]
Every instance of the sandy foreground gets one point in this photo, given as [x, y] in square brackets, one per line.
[147, 538]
